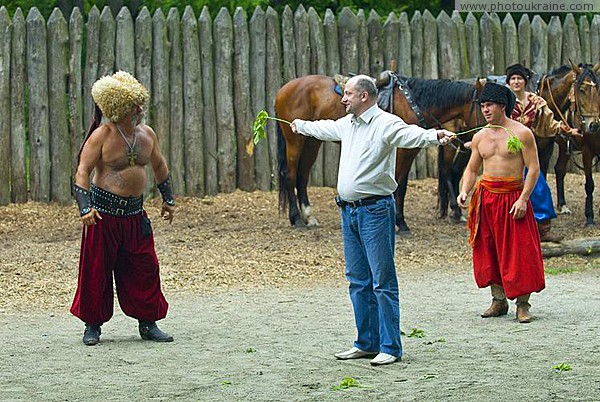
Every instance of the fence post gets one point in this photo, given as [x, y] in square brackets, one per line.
[390, 42]
[5, 157]
[289, 44]
[192, 106]
[524, 34]
[375, 44]
[75, 78]
[584, 39]
[462, 45]
[571, 48]
[473, 45]
[176, 155]
[90, 72]
[594, 39]
[331, 150]
[211, 173]
[106, 48]
[160, 82]
[430, 71]
[258, 61]
[363, 43]
[124, 44]
[404, 46]
[18, 135]
[273, 83]
[448, 51]
[416, 34]
[317, 65]
[60, 144]
[39, 131]
[486, 30]
[241, 100]
[223, 36]
[539, 45]
[555, 38]
[511, 45]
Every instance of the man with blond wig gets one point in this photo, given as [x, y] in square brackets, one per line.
[117, 235]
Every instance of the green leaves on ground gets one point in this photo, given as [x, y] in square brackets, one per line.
[250, 350]
[417, 333]
[348, 382]
[562, 367]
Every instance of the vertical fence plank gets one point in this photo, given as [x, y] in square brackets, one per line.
[571, 48]
[584, 39]
[258, 60]
[39, 131]
[176, 155]
[223, 36]
[555, 38]
[416, 53]
[302, 41]
[273, 83]
[331, 151]
[160, 83]
[363, 44]
[473, 45]
[241, 103]
[430, 71]
[192, 106]
[499, 61]
[5, 157]
[211, 173]
[594, 39]
[90, 72]
[318, 65]
[75, 79]
[448, 53]
[404, 45]
[524, 34]
[511, 45]
[124, 44]
[539, 45]
[375, 44]
[462, 44]
[390, 42]
[106, 47]
[18, 135]
[486, 31]
[60, 144]
[289, 44]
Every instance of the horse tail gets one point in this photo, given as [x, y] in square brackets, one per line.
[283, 169]
[443, 193]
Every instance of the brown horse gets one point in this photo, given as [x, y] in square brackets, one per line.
[314, 97]
[583, 113]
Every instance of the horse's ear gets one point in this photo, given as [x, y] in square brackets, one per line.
[479, 83]
[575, 68]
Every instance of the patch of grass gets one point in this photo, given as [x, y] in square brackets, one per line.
[417, 333]
[250, 350]
[347, 382]
[562, 367]
[558, 271]
[226, 383]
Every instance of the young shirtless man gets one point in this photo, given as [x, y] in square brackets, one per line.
[503, 231]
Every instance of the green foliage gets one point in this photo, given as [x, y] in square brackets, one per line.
[250, 350]
[514, 144]
[558, 271]
[347, 382]
[260, 122]
[417, 333]
[562, 367]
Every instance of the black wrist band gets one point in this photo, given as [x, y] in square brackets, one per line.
[84, 200]
[166, 191]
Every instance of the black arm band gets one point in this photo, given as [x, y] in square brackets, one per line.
[84, 200]
[166, 191]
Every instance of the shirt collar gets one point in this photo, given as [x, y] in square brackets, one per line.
[366, 116]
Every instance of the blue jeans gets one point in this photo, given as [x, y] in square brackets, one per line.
[369, 239]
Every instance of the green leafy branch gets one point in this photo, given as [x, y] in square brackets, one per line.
[348, 382]
[260, 123]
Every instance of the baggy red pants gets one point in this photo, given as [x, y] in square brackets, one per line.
[506, 251]
[116, 245]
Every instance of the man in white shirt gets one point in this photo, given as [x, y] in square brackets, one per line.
[366, 183]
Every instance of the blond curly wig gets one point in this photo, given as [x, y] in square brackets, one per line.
[117, 94]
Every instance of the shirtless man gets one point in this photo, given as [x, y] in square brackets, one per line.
[503, 231]
[117, 235]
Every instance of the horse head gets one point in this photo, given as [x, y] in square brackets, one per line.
[585, 95]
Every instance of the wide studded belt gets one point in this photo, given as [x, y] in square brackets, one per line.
[112, 204]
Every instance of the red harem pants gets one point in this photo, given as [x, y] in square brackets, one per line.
[507, 251]
[115, 244]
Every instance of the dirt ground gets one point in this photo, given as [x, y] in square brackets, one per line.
[257, 309]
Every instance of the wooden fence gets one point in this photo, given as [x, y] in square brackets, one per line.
[208, 77]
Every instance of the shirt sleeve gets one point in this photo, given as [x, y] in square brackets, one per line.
[324, 130]
[401, 135]
[545, 125]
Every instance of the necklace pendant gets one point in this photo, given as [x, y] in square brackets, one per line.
[132, 156]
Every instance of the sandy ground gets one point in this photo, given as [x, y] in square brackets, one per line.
[258, 309]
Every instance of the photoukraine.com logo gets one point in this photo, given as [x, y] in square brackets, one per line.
[528, 6]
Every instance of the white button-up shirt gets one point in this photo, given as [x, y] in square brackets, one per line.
[368, 155]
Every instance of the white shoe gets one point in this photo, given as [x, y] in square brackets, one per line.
[383, 358]
[353, 353]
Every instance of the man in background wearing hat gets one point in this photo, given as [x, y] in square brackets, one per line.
[117, 235]
[369, 138]
[506, 247]
[532, 111]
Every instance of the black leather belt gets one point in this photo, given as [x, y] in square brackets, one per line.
[361, 202]
[112, 204]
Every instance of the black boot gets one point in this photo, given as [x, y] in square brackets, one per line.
[149, 331]
[91, 335]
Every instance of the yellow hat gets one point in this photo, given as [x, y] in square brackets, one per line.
[117, 94]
